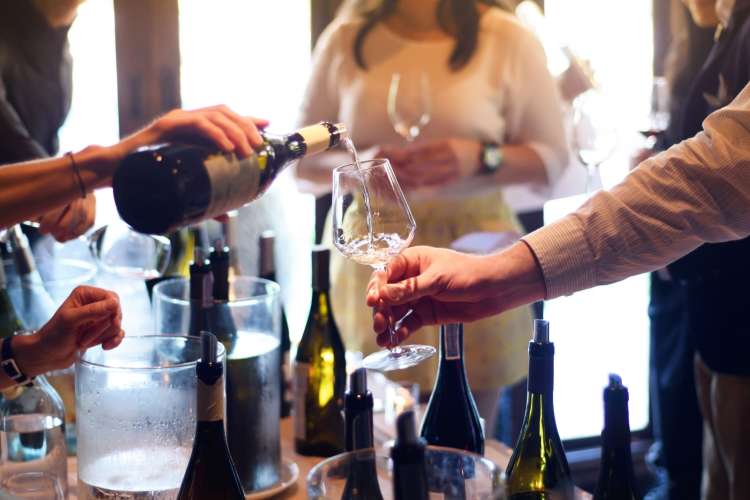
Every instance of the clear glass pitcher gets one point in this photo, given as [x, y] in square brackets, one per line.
[136, 417]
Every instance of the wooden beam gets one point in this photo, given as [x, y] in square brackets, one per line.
[148, 60]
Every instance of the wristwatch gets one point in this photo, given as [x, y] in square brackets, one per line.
[490, 158]
[10, 367]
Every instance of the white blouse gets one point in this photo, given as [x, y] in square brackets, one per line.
[504, 94]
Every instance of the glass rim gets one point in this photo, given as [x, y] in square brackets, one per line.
[363, 166]
[273, 290]
[220, 353]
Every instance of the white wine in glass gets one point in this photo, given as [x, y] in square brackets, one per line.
[409, 103]
[372, 223]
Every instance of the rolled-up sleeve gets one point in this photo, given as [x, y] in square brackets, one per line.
[697, 191]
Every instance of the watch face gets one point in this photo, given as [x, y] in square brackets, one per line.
[492, 157]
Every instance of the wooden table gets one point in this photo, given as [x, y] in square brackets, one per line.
[494, 450]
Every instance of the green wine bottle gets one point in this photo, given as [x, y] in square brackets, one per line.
[616, 477]
[538, 469]
[210, 472]
[319, 372]
[9, 321]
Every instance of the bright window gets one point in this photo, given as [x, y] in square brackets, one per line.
[254, 56]
[605, 329]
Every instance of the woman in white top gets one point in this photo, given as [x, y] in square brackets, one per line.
[489, 86]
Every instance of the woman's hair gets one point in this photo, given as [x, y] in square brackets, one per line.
[459, 18]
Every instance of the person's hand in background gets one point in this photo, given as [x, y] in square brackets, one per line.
[438, 162]
[70, 221]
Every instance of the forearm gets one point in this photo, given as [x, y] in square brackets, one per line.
[521, 165]
[30, 189]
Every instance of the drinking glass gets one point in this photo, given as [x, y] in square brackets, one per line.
[594, 133]
[32, 486]
[372, 223]
[409, 103]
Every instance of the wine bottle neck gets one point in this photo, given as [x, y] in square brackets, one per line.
[359, 429]
[541, 368]
[210, 401]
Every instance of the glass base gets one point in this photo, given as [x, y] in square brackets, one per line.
[398, 358]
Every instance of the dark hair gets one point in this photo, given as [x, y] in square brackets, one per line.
[459, 18]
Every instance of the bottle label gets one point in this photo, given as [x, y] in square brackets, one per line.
[210, 401]
[234, 182]
[317, 138]
[301, 376]
[452, 343]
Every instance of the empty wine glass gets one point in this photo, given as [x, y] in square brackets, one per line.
[124, 252]
[372, 223]
[409, 103]
[594, 133]
[659, 111]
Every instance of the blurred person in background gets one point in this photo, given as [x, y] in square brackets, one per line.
[495, 120]
[35, 96]
[675, 455]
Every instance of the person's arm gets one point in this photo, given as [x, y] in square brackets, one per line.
[697, 191]
[27, 192]
[89, 316]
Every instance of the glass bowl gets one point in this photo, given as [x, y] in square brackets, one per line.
[451, 474]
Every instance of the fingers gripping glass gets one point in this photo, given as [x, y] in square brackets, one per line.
[372, 223]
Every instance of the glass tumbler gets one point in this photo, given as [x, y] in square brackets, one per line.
[136, 417]
[253, 375]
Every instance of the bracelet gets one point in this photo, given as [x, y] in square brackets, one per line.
[10, 367]
[77, 173]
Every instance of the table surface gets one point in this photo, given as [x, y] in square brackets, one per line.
[494, 450]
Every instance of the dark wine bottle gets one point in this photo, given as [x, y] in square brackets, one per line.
[616, 477]
[162, 188]
[319, 371]
[538, 469]
[451, 418]
[201, 293]
[210, 472]
[220, 316]
[9, 321]
[408, 455]
[268, 271]
[362, 478]
[32, 301]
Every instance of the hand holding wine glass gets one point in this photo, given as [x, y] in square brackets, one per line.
[409, 103]
[371, 223]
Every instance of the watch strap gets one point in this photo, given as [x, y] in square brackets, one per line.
[490, 157]
[10, 367]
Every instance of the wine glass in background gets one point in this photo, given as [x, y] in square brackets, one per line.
[594, 132]
[409, 103]
[659, 111]
[124, 252]
[372, 222]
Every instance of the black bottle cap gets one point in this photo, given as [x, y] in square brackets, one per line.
[321, 258]
[358, 381]
[208, 348]
[209, 369]
[267, 263]
[219, 258]
[541, 331]
[201, 278]
[616, 420]
[406, 429]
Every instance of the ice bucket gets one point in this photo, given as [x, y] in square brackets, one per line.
[253, 370]
[136, 417]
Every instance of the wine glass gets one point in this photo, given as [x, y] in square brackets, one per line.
[659, 111]
[594, 133]
[409, 103]
[124, 252]
[371, 223]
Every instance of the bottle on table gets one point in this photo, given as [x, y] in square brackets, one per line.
[201, 293]
[319, 371]
[33, 436]
[408, 455]
[451, 418]
[268, 271]
[538, 467]
[10, 323]
[32, 300]
[162, 188]
[616, 477]
[362, 479]
[210, 472]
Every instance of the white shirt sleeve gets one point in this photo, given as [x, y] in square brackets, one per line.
[697, 191]
[534, 114]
